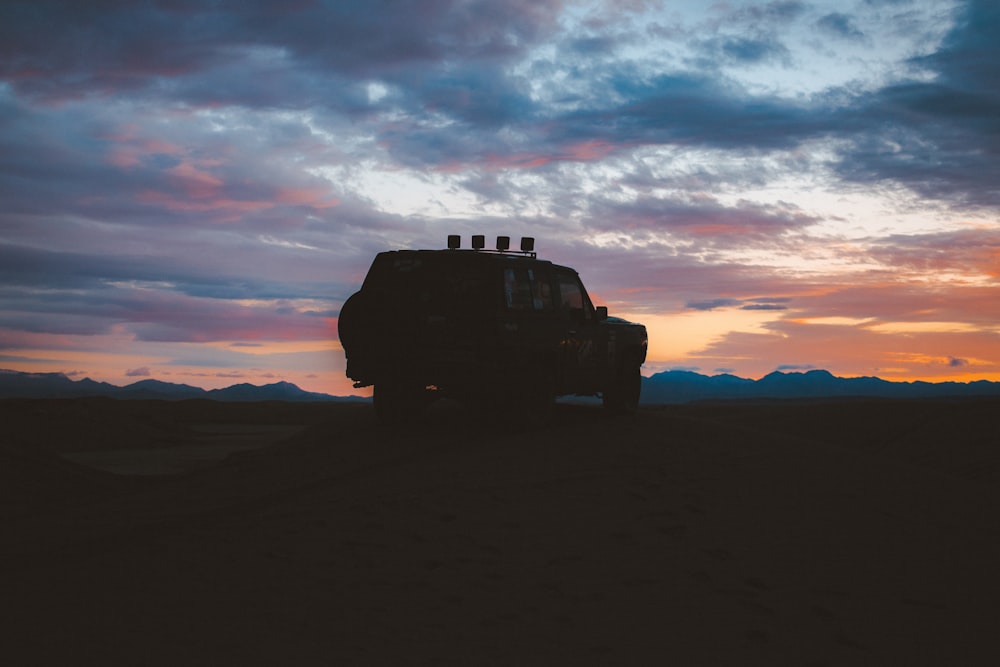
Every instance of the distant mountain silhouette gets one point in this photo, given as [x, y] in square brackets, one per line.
[666, 387]
[158, 389]
[685, 387]
[278, 391]
[14, 384]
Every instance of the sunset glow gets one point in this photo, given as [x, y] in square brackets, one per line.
[766, 185]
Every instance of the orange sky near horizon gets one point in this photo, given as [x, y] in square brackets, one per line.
[720, 341]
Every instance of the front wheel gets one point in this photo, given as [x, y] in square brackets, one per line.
[621, 397]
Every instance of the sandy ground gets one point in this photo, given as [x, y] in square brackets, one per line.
[805, 533]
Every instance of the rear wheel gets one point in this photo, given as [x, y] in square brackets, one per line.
[621, 397]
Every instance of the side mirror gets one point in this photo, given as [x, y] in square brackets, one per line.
[602, 313]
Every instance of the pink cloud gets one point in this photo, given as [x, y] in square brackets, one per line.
[586, 151]
[128, 149]
[316, 198]
[123, 157]
[195, 182]
[962, 252]
[170, 317]
[228, 210]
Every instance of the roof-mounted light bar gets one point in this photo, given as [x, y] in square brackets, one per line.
[503, 244]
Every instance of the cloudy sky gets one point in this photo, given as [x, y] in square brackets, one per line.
[189, 190]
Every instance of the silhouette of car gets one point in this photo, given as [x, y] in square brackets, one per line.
[500, 330]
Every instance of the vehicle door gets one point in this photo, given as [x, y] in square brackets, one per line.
[580, 347]
[528, 306]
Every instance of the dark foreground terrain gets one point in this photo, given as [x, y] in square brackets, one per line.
[811, 533]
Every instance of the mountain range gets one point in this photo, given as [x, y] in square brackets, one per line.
[661, 388]
[686, 386]
[14, 384]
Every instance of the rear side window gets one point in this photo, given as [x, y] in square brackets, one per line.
[526, 289]
[572, 298]
[434, 285]
[390, 271]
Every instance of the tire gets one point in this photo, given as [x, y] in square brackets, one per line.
[351, 321]
[621, 397]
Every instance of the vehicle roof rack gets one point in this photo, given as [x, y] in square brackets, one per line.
[527, 248]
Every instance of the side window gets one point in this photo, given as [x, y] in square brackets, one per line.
[571, 297]
[541, 290]
[526, 290]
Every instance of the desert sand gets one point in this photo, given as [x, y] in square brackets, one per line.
[807, 533]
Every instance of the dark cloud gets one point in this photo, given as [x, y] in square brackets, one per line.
[750, 50]
[141, 372]
[778, 13]
[763, 306]
[32, 268]
[706, 221]
[840, 25]
[57, 48]
[941, 137]
[771, 300]
[480, 95]
[685, 109]
[713, 304]
[593, 45]
[774, 304]
[67, 293]
[955, 362]
[767, 303]
[795, 367]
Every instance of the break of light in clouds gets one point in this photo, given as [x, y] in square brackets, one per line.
[190, 190]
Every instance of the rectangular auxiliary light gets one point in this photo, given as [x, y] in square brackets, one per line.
[503, 243]
[454, 241]
[527, 244]
[478, 241]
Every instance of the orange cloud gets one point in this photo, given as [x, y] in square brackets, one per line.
[231, 206]
[317, 198]
[129, 149]
[195, 182]
[586, 151]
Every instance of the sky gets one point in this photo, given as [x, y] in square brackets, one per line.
[190, 190]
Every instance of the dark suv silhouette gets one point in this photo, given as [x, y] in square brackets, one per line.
[500, 330]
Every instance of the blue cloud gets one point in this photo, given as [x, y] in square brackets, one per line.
[712, 304]
[840, 25]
